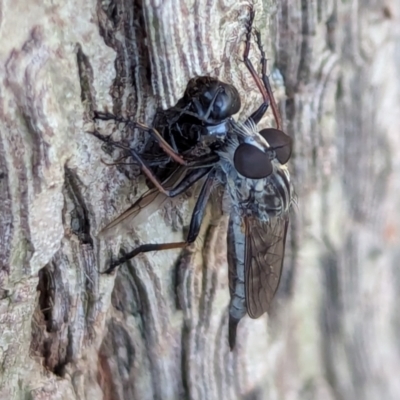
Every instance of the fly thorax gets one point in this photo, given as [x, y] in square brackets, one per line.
[262, 198]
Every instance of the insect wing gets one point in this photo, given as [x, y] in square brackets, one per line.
[143, 208]
[150, 202]
[264, 253]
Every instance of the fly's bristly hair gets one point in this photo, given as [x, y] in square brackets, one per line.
[244, 133]
[248, 133]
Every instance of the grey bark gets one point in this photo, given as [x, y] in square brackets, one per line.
[158, 328]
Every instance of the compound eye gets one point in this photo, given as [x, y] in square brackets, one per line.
[251, 162]
[280, 142]
[227, 102]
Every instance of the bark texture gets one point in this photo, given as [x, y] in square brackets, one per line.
[158, 328]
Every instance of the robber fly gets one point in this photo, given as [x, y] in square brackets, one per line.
[250, 166]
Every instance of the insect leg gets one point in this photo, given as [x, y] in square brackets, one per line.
[209, 159]
[161, 141]
[247, 61]
[194, 228]
[143, 166]
[188, 181]
[267, 85]
[150, 161]
[262, 84]
[206, 161]
[153, 132]
[258, 114]
[179, 181]
[198, 164]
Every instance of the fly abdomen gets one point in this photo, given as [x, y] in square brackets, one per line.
[236, 253]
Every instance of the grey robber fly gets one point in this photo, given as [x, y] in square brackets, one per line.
[201, 139]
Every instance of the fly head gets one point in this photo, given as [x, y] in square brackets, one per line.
[212, 101]
[254, 162]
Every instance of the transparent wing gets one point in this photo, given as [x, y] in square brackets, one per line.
[144, 207]
[264, 253]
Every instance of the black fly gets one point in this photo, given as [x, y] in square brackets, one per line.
[200, 136]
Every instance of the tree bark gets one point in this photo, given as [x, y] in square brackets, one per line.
[157, 329]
